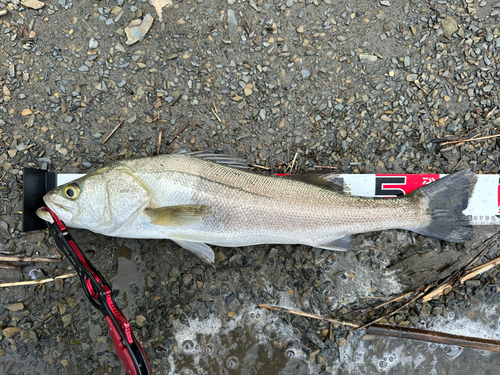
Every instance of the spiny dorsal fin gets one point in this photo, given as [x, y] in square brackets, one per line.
[178, 216]
[229, 160]
[325, 181]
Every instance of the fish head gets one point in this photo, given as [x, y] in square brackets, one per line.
[81, 203]
[102, 201]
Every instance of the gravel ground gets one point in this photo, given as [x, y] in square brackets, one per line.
[362, 86]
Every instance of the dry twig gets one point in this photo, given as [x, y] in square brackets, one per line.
[324, 167]
[292, 164]
[113, 131]
[475, 138]
[307, 315]
[434, 89]
[490, 113]
[214, 111]
[405, 332]
[6, 266]
[28, 259]
[432, 336]
[259, 166]
[178, 133]
[160, 135]
[37, 282]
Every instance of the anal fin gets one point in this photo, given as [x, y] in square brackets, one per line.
[340, 244]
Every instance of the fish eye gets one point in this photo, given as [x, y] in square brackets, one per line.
[71, 191]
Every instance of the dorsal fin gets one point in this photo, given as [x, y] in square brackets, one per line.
[320, 179]
[229, 160]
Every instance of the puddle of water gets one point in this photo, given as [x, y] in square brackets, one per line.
[128, 280]
[254, 343]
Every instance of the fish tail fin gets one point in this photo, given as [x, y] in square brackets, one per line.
[447, 198]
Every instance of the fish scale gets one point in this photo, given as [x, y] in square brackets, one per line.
[250, 208]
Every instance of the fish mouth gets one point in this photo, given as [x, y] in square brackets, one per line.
[44, 215]
[59, 209]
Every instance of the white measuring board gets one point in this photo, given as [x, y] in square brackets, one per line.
[483, 209]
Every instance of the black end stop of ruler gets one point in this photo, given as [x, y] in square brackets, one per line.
[36, 183]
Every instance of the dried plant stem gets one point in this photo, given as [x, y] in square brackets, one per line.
[393, 312]
[480, 269]
[475, 138]
[407, 333]
[324, 167]
[6, 266]
[259, 166]
[37, 282]
[113, 131]
[434, 89]
[158, 146]
[432, 336]
[364, 311]
[307, 315]
[216, 115]
[178, 133]
[28, 259]
[292, 164]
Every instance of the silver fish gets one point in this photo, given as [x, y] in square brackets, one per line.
[195, 201]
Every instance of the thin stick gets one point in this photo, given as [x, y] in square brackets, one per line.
[38, 282]
[490, 113]
[259, 166]
[432, 336]
[178, 133]
[159, 142]
[174, 102]
[420, 88]
[455, 167]
[437, 292]
[475, 138]
[434, 89]
[292, 163]
[392, 312]
[408, 333]
[307, 315]
[9, 267]
[324, 167]
[246, 25]
[480, 269]
[29, 259]
[452, 279]
[486, 244]
[113, 131]
[385, 303]
[216, 115]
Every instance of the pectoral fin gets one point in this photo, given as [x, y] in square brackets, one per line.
[178, 216]
[200, 249]
[340, 244]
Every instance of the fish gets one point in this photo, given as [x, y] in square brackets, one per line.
[198, 200]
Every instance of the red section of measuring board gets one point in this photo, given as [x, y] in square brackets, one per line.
[498, 195]
[388, 185]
